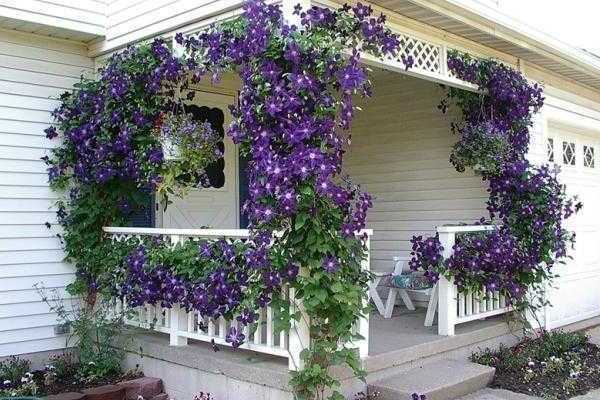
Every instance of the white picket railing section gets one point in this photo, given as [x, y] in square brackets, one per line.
[260, 336]
[456, 308]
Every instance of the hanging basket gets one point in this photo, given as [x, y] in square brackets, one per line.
[170, 151]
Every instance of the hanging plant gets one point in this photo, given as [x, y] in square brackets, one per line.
[189, 147]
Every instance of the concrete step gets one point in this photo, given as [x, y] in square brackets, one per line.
[441, 380]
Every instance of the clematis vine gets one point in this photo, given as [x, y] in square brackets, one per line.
[291, 120]
[526, 201]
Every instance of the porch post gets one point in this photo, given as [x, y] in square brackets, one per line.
[299, 336]
[177, 316]
[446, 291]
[363, 323]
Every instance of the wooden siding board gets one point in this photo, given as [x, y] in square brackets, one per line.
[399, 153]
[33, 72]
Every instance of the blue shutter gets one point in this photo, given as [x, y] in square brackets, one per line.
[243, 189]
[144, 215]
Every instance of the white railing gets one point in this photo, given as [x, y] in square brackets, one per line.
[457, 308]
[260, 336]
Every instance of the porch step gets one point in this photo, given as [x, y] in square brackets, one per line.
[440, 380]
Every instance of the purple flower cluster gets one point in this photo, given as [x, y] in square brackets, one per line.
[427, 254]
[526, 201]
[213, 282]
[102, 122]
[289, 114]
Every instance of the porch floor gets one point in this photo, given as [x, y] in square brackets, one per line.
[394, 343]
[405, 329]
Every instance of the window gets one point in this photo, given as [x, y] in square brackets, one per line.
[215, 175]
[568, 153]
[550, 149]
[588, 157]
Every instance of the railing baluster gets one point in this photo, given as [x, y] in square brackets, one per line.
[364, 323]
[502, 301]
[270, 328]
[222, 328]
[211, 327]
[258, 332]
[299, 337]
[461, 305]
[469, 303]
[482, 302]
[191, 321]
[496, 301]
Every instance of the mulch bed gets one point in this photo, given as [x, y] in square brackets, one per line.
[69, 385]
[566, 374]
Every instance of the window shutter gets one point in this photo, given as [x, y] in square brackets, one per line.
[243, 189]
[144, 216]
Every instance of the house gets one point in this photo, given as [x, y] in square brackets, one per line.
[46, 46]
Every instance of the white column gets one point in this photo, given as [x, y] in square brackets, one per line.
[178, 317]
[363, 323]
[299, 336]
[447, 291]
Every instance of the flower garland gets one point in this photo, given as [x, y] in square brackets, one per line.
[526, 201]
[111, 151]
[292, 120]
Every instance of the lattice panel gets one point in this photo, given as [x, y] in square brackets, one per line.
[568, 153]
[550, 149]
[426, 56]
[588, 157]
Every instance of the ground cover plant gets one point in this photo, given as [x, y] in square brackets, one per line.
[554, 365]
[63, 372]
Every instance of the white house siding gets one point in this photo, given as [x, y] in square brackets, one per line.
[32, 69]
[133, 20]
[574, 295]
[85, 16]
[399, 153]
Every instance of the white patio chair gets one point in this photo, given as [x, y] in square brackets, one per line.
[386, 310]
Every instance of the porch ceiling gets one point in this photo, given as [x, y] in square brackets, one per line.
[47, 30]
[486, 26]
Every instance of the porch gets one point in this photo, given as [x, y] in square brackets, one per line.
[396, 345]
[402, 159]
[462, 319]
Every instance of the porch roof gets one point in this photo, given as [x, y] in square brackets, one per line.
[485, 25]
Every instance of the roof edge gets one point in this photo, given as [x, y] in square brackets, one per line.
[495, 23]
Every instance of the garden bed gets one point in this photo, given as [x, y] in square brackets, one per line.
[556, 365]
[64, 378]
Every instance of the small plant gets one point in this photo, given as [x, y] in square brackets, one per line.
[367, 396]
[554, 365]
[189, 146]
[62, 365]
[483, 147]
[14, 368]
[15, 378]
[96, 331]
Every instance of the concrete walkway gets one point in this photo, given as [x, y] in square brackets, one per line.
[498, 394]
[594, 335]
[501, 394]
